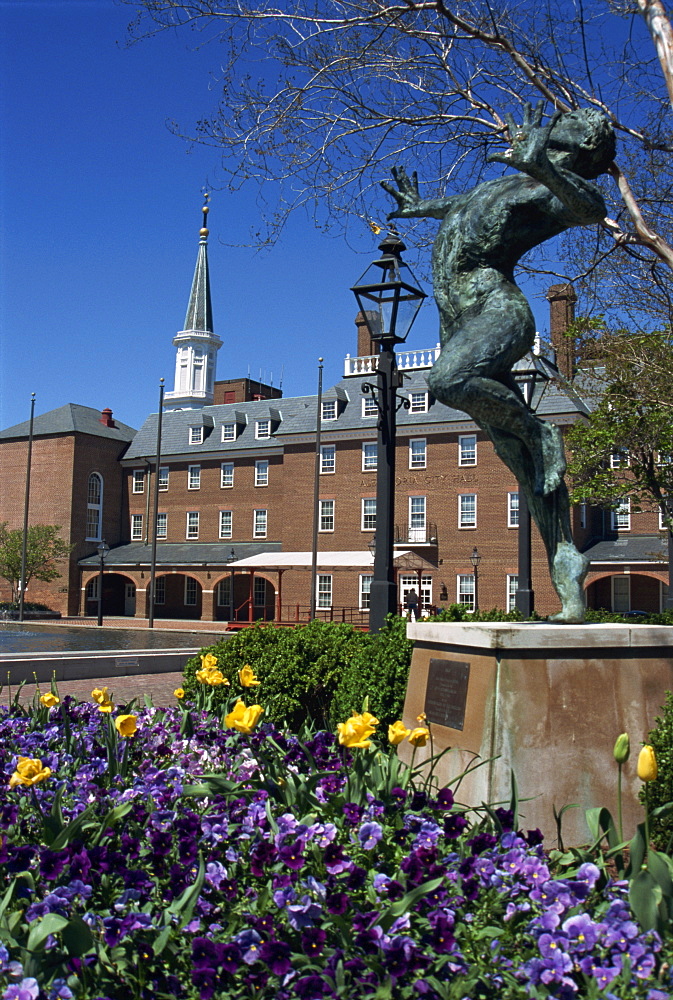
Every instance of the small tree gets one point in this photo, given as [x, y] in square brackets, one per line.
[44, 550]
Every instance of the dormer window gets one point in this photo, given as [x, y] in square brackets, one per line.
[262, 429]
[369, 407]
[419, 402]
[196, 435]
[229, 432]
[329, 409]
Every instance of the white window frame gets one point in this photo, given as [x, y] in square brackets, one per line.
[409, 581]
[418, 519]
[467, 511]
[162, 525]
[418, 453]
[136, 527]
[262, 429]
[228, 432]
[620, 519]
[324, 591]
[368, 514]
[226, 475]
[621, 581]
[192, 528]
[364, 591]
[191, 598]
[94, 509]
[369, 456]
[92, 589]
[328, 410]
[223, 592]
[326, 518]
[620, 459]
[138, 481]
[196, 434]
[194, 477]
[259, 592]
[163, 478]
[465, 591]
[418, 401]
[260, 523]
[160, 590]
[467, 449]
[369, 406]
[262, 472]
[513, 510]
[226, 522]
[327, 459]
[512, 587]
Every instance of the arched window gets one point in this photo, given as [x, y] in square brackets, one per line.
[94, 507]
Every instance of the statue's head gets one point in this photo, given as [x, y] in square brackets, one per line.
[584, 141]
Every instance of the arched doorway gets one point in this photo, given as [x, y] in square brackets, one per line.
[177, 595]
[621, 592]
[119, 595]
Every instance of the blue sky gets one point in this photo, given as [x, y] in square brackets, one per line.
[100, 213]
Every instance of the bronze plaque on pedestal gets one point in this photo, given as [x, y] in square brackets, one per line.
[446, 692]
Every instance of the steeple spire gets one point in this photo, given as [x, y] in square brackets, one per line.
[197, 345]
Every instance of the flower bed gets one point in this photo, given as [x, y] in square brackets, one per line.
[175, 856]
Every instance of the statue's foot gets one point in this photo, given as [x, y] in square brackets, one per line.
[549, 475]
[568, 572]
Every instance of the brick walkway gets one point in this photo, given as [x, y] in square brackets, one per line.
[122, 689]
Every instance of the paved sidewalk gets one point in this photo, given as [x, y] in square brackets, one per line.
[159, 686]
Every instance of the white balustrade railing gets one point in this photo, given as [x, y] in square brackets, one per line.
[406, 361]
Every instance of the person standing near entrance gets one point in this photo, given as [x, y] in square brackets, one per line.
[411, 604]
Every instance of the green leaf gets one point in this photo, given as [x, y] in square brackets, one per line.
[77, 937]
[51, 923]
[405, 904]
[184, 905]
[74, 828]
[644, 897]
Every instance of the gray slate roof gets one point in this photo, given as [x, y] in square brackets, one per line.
[632, 548]
[179, 554]
[68, 419]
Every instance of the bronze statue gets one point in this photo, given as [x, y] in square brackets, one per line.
[485, 321]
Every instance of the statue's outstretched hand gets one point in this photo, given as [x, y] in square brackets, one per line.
[528, 141]
[405, 194]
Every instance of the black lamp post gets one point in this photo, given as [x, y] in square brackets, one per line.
[103, 549]
[389, 300]
[475, 559]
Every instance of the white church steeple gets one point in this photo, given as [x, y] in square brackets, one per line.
[196, 344]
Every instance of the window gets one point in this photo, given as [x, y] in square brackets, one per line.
[162, 525]
[467, 449]
[136, 527]
[620, 519]
[621, 593]
[160, 590]
[417, 519]
[262, 429]
[226, 523]
[94, 507]
[369, 514]
[417, 454]
[259, 524]
[92, 589]
[467, 510]
[138, 480]
[163, 478]
[409, 581]
[228, 432]
[583, 515]
[194, 477]
[512, 510]
[369, 456]
[327, 458]
[326, 515]
[329, 409]
[662, 514]
[226, 475]
[365, 590]
[193, 524]
[419, 402]
[369, 407]
[465, 590]
[262, 473]
[512, 587]
[191, 591]
[196, 435]
[324, 598]
[259, 592]
[223, 592]
[620, 459]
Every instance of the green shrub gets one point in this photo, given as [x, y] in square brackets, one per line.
[660, 792]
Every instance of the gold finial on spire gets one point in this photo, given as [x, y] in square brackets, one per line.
[206, 198]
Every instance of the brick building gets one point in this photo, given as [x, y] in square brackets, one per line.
[234, 521]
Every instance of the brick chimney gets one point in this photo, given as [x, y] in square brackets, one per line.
[562, 301]
[366, 346]
[106, 418]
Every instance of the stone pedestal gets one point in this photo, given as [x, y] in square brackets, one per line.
[544, 701]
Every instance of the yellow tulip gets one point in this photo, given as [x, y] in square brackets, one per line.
[397, 732]
[215, 678]
[208, 661]
[419, 737]
[179, 692]
[247, 677]
[354, 731]
[126, 725]
[29, 771]
[647, 764]
[49, 700]
[100, 696]
[107, 706]
[244, 719]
